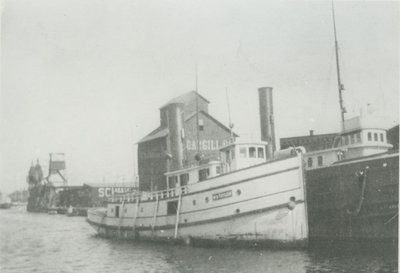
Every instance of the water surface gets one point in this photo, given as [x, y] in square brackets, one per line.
[57, 243]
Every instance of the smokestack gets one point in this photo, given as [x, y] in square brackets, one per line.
[175, 126]
[267, 119]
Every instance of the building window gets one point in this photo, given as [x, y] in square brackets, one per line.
[252, 152]
[309, 162]
[243, 152]
[184, 179]
[369, 136]
[376, 136]
[260, 152]
[201, 125]
[320, 160]
[358, 137]
[172, 181]
[203, 174]
[382, 139]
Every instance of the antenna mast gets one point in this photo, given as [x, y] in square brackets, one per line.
[340, 84]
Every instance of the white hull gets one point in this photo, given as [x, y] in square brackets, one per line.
[247, 206]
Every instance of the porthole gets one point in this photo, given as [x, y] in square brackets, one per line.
[237, 210]
[194, 202]
[238, 192]
[141, 209]
[207, 199]
[185, 220]
[384, 165]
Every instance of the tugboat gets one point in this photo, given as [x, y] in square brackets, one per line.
[246, 198]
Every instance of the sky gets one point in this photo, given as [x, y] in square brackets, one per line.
[87, 78]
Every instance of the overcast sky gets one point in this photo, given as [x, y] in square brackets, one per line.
[87, 77]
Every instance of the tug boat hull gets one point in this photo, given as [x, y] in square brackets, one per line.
[260, 205]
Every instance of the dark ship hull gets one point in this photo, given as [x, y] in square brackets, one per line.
[355, 200]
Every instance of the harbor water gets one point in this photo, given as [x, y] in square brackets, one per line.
[57, 243]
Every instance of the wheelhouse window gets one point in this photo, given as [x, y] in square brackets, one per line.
[243, 152]
[369, 136]
[346, 140]
[203, 174]
[382, 139]
[252, 152]
[309, 162]
[184, 179]
[352, 140]
[260, 152]
[172, 181]
[358, 137]
[376, 136]
[218, 169]
[320, 160]
[232, 154]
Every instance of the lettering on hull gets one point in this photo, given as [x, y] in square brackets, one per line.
[222, 195]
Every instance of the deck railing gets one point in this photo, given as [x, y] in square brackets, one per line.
[147, 196]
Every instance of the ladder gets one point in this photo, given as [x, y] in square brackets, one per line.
[155, 214]
[178, 213]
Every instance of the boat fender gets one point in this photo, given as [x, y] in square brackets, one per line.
[292, 203]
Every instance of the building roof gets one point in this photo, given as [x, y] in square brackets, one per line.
[310, 142]
[163, 131]
[213, 119]
[185, 98]
[157, 133]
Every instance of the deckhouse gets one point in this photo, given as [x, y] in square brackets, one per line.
[234, 156]
[362, 136]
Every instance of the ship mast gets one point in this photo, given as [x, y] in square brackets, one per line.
[340, 84]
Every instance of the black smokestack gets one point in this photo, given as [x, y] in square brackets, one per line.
[175, 126]
[267, 119]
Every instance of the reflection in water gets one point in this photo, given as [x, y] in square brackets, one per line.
[56, 243]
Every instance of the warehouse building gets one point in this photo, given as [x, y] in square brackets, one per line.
[156, 149]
